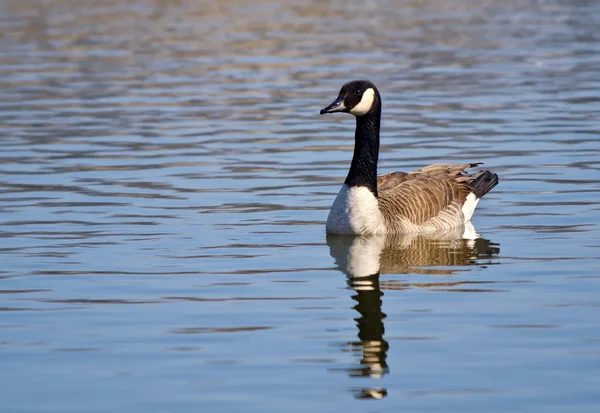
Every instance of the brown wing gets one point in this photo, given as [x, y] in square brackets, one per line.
[446, 169]
[393, 179]
[424, 194]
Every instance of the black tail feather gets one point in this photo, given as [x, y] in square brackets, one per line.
[483, 182]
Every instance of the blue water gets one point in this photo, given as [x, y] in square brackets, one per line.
[165, 178]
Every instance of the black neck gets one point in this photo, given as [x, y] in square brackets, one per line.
[363, 170]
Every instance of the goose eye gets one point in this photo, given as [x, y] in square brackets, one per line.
[357, 92]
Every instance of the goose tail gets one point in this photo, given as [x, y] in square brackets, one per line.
[482, 183]
[479, 184]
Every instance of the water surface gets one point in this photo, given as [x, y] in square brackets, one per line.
[165, 180]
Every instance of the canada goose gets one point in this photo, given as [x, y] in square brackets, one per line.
[433, 198]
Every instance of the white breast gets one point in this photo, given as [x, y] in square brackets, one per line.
[355, 211]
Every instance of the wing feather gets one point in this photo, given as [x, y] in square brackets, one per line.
[418, 197]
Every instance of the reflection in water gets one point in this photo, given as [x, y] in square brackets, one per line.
[364, 258]
[371, 345]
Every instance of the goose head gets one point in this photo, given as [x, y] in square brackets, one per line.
[358, 97]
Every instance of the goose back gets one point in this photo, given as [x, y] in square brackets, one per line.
[428, 199]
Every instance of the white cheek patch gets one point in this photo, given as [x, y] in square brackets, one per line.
[365, 103]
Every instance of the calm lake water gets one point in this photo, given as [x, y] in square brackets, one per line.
[166, 177]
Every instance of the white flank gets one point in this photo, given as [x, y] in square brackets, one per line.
[469, 206]
[365, 103]
[355, 211]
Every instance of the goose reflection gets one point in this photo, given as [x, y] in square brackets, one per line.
[364, 258]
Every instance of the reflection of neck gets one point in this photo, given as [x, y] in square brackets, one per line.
[370, 325]
[363, 170]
